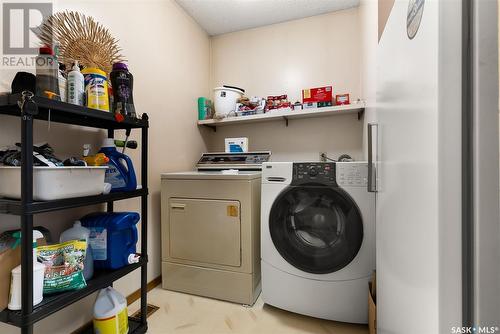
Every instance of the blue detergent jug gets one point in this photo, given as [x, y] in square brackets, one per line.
[113, 238]
[120, 173]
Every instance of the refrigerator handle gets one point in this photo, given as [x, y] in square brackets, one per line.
[372, 179]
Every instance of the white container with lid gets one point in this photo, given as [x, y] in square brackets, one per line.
[38, 276]
[225, 99]
[51, 183]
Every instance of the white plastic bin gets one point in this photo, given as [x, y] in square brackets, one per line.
[225, 99]
[51, 183]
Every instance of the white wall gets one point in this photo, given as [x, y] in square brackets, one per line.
[284, 59]
[168, 53]
[368, 26]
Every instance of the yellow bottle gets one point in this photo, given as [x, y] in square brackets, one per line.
[110, 313]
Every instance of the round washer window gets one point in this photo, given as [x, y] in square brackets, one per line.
[315, 228]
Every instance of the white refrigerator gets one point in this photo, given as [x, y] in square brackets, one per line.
[434, 144]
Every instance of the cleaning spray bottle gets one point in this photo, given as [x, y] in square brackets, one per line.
[120, 173]
[38, 274]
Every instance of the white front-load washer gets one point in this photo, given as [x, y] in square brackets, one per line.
[317, 238]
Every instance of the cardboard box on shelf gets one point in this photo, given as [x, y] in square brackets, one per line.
[320, 94]
[372, 305]
[9, 259]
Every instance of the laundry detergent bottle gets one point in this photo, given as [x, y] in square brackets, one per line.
[120, 173]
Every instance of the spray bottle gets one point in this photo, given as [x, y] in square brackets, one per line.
[38, 274]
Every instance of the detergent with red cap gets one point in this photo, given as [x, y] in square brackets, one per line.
[120, 173]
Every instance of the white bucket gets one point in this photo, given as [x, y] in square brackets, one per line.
[225, 99]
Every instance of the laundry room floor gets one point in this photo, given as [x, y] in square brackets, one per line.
[183, 313]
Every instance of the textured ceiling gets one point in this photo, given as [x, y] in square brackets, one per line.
[223, 16]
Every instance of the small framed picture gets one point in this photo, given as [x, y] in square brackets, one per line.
[342, 99]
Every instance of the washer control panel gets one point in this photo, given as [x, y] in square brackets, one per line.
[314, 172]
[352, 174]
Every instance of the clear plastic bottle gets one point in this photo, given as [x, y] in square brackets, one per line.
[78, 232]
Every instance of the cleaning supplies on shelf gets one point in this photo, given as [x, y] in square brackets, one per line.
[120, 171]
[122, 82]
[78, 232]
[96, 89]
[64, 263]
[113, 238]
[47, 84]
[110, 312]
[38, 277]
[76, 86]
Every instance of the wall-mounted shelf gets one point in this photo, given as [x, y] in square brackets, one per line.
[356, 108]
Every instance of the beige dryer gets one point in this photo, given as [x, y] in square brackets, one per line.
[211, 234]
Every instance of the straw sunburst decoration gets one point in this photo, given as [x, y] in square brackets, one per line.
[81, 38]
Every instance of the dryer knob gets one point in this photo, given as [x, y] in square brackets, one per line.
[313, 171]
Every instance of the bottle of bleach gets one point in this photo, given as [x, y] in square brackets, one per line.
[120, 173]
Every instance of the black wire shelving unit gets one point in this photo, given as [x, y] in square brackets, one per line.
[26, 208]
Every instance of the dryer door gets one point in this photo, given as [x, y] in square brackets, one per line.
[315, 228]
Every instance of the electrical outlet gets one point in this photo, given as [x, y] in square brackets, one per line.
[322, 156]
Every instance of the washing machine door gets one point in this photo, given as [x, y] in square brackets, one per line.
[317, 229]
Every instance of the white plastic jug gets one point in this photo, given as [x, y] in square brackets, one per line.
[110, 313]
[78, 232]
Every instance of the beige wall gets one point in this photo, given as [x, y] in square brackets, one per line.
[283, 59]
[169, 56]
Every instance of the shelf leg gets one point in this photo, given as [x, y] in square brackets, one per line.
[144, 225]
[109, 205]
[26, 219]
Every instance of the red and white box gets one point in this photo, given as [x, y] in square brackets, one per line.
[342, 99]
[320, 94]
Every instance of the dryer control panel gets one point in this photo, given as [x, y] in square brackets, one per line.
[352, 174]
[314, 172]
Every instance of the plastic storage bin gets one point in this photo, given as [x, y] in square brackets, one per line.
[51, 183]
[113, 238]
